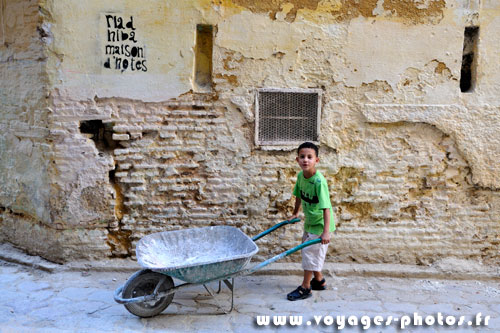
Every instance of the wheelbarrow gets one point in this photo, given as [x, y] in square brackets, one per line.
[196, 256]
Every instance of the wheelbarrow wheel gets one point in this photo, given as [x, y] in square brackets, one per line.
[145, 284]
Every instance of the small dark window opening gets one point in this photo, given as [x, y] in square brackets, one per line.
[468, 72]
[101, 133]
[203, 57]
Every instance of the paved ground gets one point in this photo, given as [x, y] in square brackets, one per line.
[35, 301]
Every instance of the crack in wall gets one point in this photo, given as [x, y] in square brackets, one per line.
[102, 135]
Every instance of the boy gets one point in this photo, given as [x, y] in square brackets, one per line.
[311, 191]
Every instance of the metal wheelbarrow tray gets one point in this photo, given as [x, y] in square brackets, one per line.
[197, 256]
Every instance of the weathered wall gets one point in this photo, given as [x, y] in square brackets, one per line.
[29, 201]
[24, 189]
[412, 162]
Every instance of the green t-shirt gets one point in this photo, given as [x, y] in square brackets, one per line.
[315, 197]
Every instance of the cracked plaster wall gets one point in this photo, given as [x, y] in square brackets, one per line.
[412, 162]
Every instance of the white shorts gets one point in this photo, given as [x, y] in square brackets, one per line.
[313, 256]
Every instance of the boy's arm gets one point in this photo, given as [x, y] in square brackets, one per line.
[298, 204]
[325, 236]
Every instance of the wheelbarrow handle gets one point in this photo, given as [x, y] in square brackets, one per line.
[284, 254]
[276, 226]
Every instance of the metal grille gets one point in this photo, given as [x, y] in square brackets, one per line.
[287, 117]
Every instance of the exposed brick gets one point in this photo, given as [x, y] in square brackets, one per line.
[121, 137]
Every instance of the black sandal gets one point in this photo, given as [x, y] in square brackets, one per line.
[318, 285]
[299, 293]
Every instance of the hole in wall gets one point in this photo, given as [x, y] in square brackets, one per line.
[203, 58]
[101, 133]
[120, 208]
[120, 243]
[468, 72]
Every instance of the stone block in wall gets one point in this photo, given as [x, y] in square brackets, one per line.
[121, 137]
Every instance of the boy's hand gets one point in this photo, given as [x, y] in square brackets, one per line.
[294, 216]
[325, 238]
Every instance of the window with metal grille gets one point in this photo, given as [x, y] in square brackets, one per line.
[287, 117]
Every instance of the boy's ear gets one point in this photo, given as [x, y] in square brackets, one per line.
[297, 159]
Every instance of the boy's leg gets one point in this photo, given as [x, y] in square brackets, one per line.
[304, 290]
[313, 258]
[308, 275]
[318, 276]
[306, 283]
[319, 280]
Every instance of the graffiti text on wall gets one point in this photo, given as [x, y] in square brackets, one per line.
[122, 51]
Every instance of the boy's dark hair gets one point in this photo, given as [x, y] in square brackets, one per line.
[309, 145]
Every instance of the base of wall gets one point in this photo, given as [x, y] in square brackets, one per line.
[448, 269]
[58, 246]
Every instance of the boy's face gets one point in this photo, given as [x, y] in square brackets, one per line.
[307, 159]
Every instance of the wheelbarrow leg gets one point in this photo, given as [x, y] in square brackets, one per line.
[230, 285]
[220, 287]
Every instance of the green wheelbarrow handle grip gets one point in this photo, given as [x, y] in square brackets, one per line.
[284, 254]
[276, 226]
